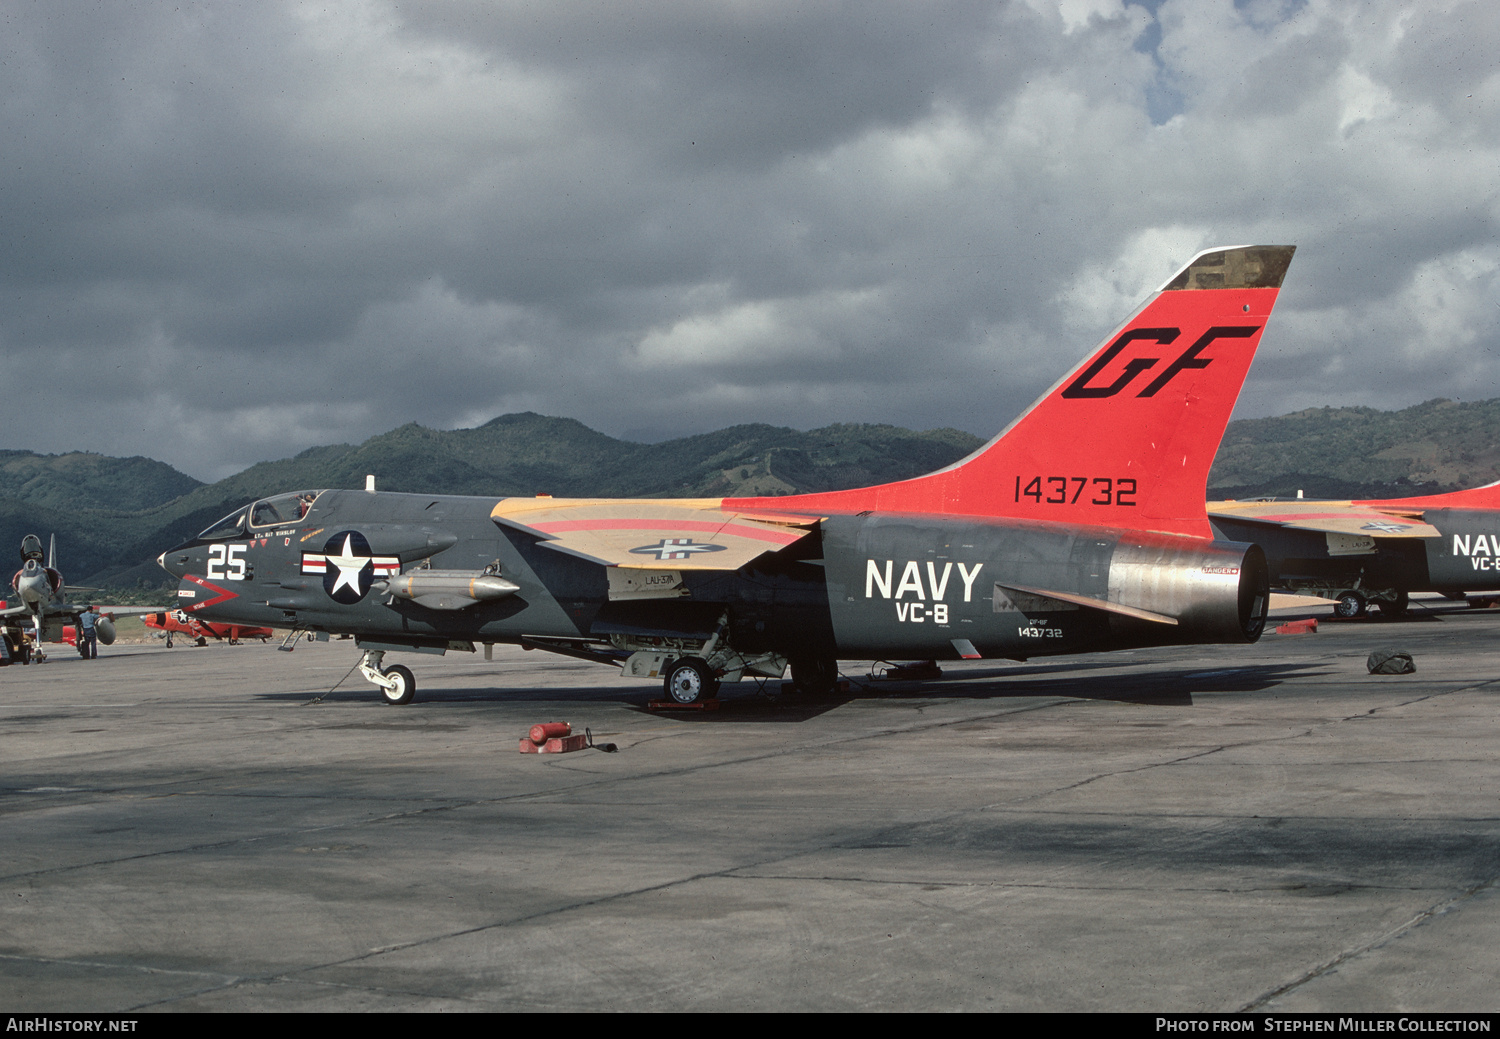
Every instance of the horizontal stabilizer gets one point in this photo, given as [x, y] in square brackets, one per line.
[1092, 603]
[1486, 497]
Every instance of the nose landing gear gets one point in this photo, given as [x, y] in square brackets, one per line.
[397, 685]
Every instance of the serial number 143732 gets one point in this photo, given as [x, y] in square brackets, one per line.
[1069, 490]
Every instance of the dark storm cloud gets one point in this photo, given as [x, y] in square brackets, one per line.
[741, 84]
[238, 230]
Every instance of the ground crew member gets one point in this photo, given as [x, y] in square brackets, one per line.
[88, 636]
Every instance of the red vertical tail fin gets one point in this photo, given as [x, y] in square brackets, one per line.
[1127, 437]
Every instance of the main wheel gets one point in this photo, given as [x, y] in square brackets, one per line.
[1350, 604]
[689, 680]
[406, 686]
[1396, 608]
[815, 676]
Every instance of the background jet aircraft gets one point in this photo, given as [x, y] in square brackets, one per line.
[43, 597]
[1080, 527]
[1375, 551]
[176, 622]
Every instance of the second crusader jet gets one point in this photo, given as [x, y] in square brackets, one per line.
[1376, 552]
[1080, 527]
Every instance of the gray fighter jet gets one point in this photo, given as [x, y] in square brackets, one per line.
[1080, 527]
[1374, 552]
[43, 598]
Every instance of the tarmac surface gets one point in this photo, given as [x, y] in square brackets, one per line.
[1216, 828]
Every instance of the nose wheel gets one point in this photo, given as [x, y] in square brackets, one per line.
[397, 685]
[402, 688]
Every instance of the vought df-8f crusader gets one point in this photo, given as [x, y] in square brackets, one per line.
[1081, 527]
[1376, 551]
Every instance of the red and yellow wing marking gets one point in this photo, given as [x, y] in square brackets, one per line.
[654, 534]
[1336, 517]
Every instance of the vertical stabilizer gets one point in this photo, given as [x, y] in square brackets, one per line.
[1127, 437]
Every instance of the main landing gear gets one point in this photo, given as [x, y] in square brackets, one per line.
[689, 680]
[815, 676]
[1350, 604]
[1355, 604]
[396, 684]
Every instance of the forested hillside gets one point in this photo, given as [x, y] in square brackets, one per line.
[113, 516]
[110, 531]
[1441, 445]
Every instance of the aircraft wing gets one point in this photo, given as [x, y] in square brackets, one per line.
[67, 609]
[1329, 517]
[650, 534]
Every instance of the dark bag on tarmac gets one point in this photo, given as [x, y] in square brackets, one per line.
[1390, 662]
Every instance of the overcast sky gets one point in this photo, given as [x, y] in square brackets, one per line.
[233, 231]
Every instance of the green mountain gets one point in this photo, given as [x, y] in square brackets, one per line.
[79, 497]
[522, 454]
[82, 480]
[1441, 445]
[113, 516]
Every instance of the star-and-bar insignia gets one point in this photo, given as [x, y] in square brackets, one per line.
[676, 548]
[348, 567]
[317, 563]
[1385, 527]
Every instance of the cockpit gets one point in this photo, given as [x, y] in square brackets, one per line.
[282, 509]
[279, 511]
